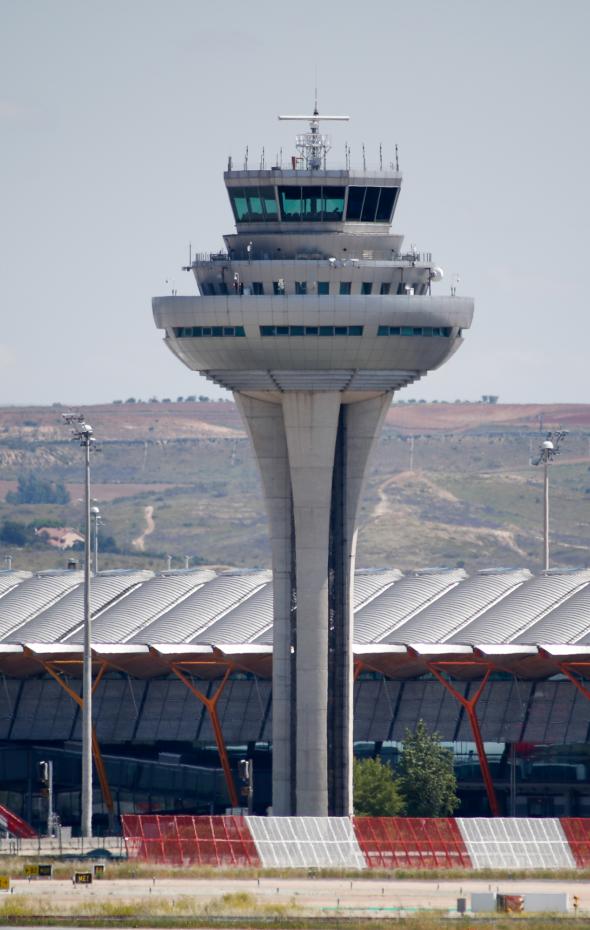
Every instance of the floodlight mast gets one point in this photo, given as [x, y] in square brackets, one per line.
[548, 451]
[313, 146]
[82, 433]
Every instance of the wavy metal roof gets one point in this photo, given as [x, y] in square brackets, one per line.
[517, 612]
[250, 620]
[442, 608]
[568, 623]
[66, 616]
[380, 619]
[32, 596]
[461, 605]
[10, 579]
[184, 622]
[143, 606]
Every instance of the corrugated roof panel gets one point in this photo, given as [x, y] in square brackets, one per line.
[369, 581]
[568, 623]
[185, 621]
[243, 624]
[142, 606]
[458, 606]
[380, 619]
[67, 614]
[32, 596]
[10, 579]
[521, 609]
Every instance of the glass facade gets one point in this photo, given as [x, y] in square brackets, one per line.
[297, 203]
[311, 330]
[414, 331]
[253, 204]
[311, 204]
[371, 204]
[197, 331]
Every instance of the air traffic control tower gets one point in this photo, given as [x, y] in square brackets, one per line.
[313, 318]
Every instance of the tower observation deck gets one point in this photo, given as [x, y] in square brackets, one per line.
[313, 316]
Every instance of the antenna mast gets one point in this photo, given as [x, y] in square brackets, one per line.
[313, 146]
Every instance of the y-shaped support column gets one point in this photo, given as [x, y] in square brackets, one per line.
[211, 705]
[470, 704]
[98, 760]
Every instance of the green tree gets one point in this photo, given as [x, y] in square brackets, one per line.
[15, 534]
[375, 789]
[33, 490]
[426, 778]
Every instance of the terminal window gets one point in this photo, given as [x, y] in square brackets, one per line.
[366, 287]
[370, 204]
[345, 287]
[311, 204]
[298, 330]
[414, 331]
[182, 332]
[253, 204]
[323, 287]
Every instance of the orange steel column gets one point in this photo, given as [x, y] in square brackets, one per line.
[211, 706]
[566, 668]
[470, 704]
[98, 760]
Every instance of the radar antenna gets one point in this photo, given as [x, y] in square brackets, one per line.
[313, 146]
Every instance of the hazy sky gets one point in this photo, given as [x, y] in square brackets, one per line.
[117, 117]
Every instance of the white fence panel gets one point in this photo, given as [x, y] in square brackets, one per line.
[306, 842]
[516, 843]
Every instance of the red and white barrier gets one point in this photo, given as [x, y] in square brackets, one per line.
[363, 842]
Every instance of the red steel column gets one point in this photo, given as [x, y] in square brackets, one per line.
[470, 704]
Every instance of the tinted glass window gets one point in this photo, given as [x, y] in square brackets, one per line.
[301, 287]
[385, 285]
[323, 287]
[253, 204]
[345, 287]
[257, 287]
[269, 202]
[333, 203]
[370, 204]
[355, 203]
[385, 206]
[366, 287]
[290, 200]
[312, 203]
[238, 202]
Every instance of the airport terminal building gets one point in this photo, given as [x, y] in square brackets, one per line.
[496, 663]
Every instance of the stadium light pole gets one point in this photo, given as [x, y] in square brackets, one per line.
[83, 433]
[95, 514]
[548, 450]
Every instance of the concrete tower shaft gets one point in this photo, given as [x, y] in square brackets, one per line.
[313, 317]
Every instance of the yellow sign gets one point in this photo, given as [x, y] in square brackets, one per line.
[40, 870]
[4, 883]
[83, 878]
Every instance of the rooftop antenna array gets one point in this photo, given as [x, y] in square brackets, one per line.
[549, 449]
[313, 146]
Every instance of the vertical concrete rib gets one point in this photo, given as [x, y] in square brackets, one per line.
[359, 429]
[264, 422]
[311, 424]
